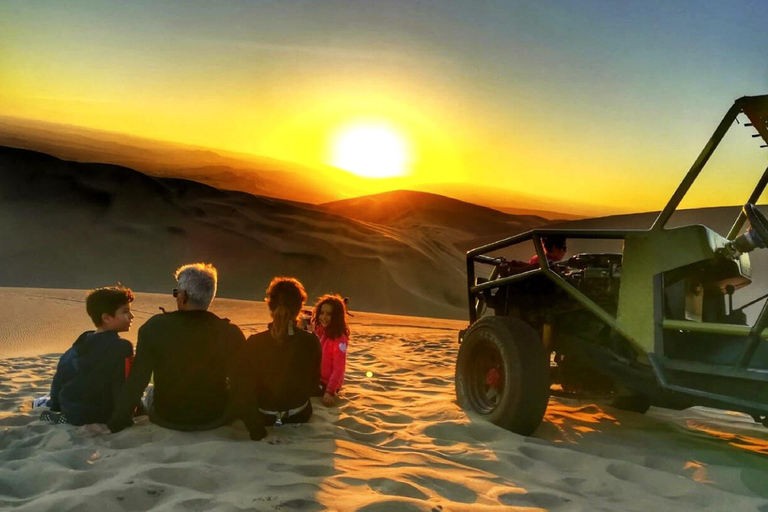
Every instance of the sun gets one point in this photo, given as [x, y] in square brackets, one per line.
[372, 150]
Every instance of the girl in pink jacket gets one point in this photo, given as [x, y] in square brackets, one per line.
[330, 321]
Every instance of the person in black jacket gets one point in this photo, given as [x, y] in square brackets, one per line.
[282, 364]
[193, 354]
[90, 375]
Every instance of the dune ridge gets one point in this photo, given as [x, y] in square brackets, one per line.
[240, 171]
[468, 225]
[62, 222]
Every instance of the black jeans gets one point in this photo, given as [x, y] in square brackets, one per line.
[227, 417]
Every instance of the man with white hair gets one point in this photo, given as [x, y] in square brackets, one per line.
[194, 356]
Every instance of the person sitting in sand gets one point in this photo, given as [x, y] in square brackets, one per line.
[194, 356]
[554, 249]
[91, 374]
[282, 364]
[330, 323]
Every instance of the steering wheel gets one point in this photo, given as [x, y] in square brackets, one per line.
[758, 223]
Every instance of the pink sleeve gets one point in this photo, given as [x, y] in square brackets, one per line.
[319, 331]
[339, 365]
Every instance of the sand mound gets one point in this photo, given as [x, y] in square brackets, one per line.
[70, 225]
[396, 441]
[467, 224]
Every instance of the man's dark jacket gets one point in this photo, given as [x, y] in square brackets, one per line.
[194, 357]
[90, 376]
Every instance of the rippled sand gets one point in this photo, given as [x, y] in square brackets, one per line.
[395, 440]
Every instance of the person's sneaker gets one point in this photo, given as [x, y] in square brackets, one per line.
[53, 417]
[43, 401]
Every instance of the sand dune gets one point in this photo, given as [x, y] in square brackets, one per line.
[247, 173]
[231, 171]
[396, 440]
[68, 225]
[468, 225]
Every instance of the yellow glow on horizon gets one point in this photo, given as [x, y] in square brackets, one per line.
[371, 150]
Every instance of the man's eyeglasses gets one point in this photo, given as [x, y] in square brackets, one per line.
[176, 292]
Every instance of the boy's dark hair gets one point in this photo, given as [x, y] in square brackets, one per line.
[551, 242]
[338, 325]
[106, 300]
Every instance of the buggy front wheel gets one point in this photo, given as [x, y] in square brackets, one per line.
[502, 373]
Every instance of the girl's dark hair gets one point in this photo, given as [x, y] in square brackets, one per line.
[106, 300]
[338, 325]
[285, 297]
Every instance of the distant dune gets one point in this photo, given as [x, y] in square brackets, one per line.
[540, 213]
[468, 224]
[532, 202]
[67, 224]
[231, 171]
[246, 173]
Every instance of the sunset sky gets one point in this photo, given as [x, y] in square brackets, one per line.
[597, 102]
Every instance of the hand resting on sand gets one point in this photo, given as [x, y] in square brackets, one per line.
[95, 429]
[328, 399]
[275, 439]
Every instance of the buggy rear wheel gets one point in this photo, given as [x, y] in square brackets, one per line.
[502, 373]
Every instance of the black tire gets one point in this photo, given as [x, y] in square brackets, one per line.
[628, 400]
[515, 396]
[633, 403]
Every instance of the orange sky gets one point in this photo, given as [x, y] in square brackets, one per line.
[567, 102]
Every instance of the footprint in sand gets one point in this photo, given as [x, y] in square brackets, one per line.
[754, 480]
[388, 487]
[200, 478]
[299, 504]
[293, 489]
[436, 381]
[390, 505]
[363, 432]
[539, 500]
[14, 454]
[660, 483]
[520, 462]
[563, 459]
[87, 479]
[396, 419]
[22, 485]
[376, 438]
[456, 431]
[17, 420]
[354, 423]
[133, 498]
[312, 470]
[449, 490]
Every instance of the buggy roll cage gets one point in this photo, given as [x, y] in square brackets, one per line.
[755, 108]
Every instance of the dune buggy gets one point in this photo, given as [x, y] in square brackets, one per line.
[653, 324]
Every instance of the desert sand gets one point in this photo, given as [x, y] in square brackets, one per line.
[395, 440]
